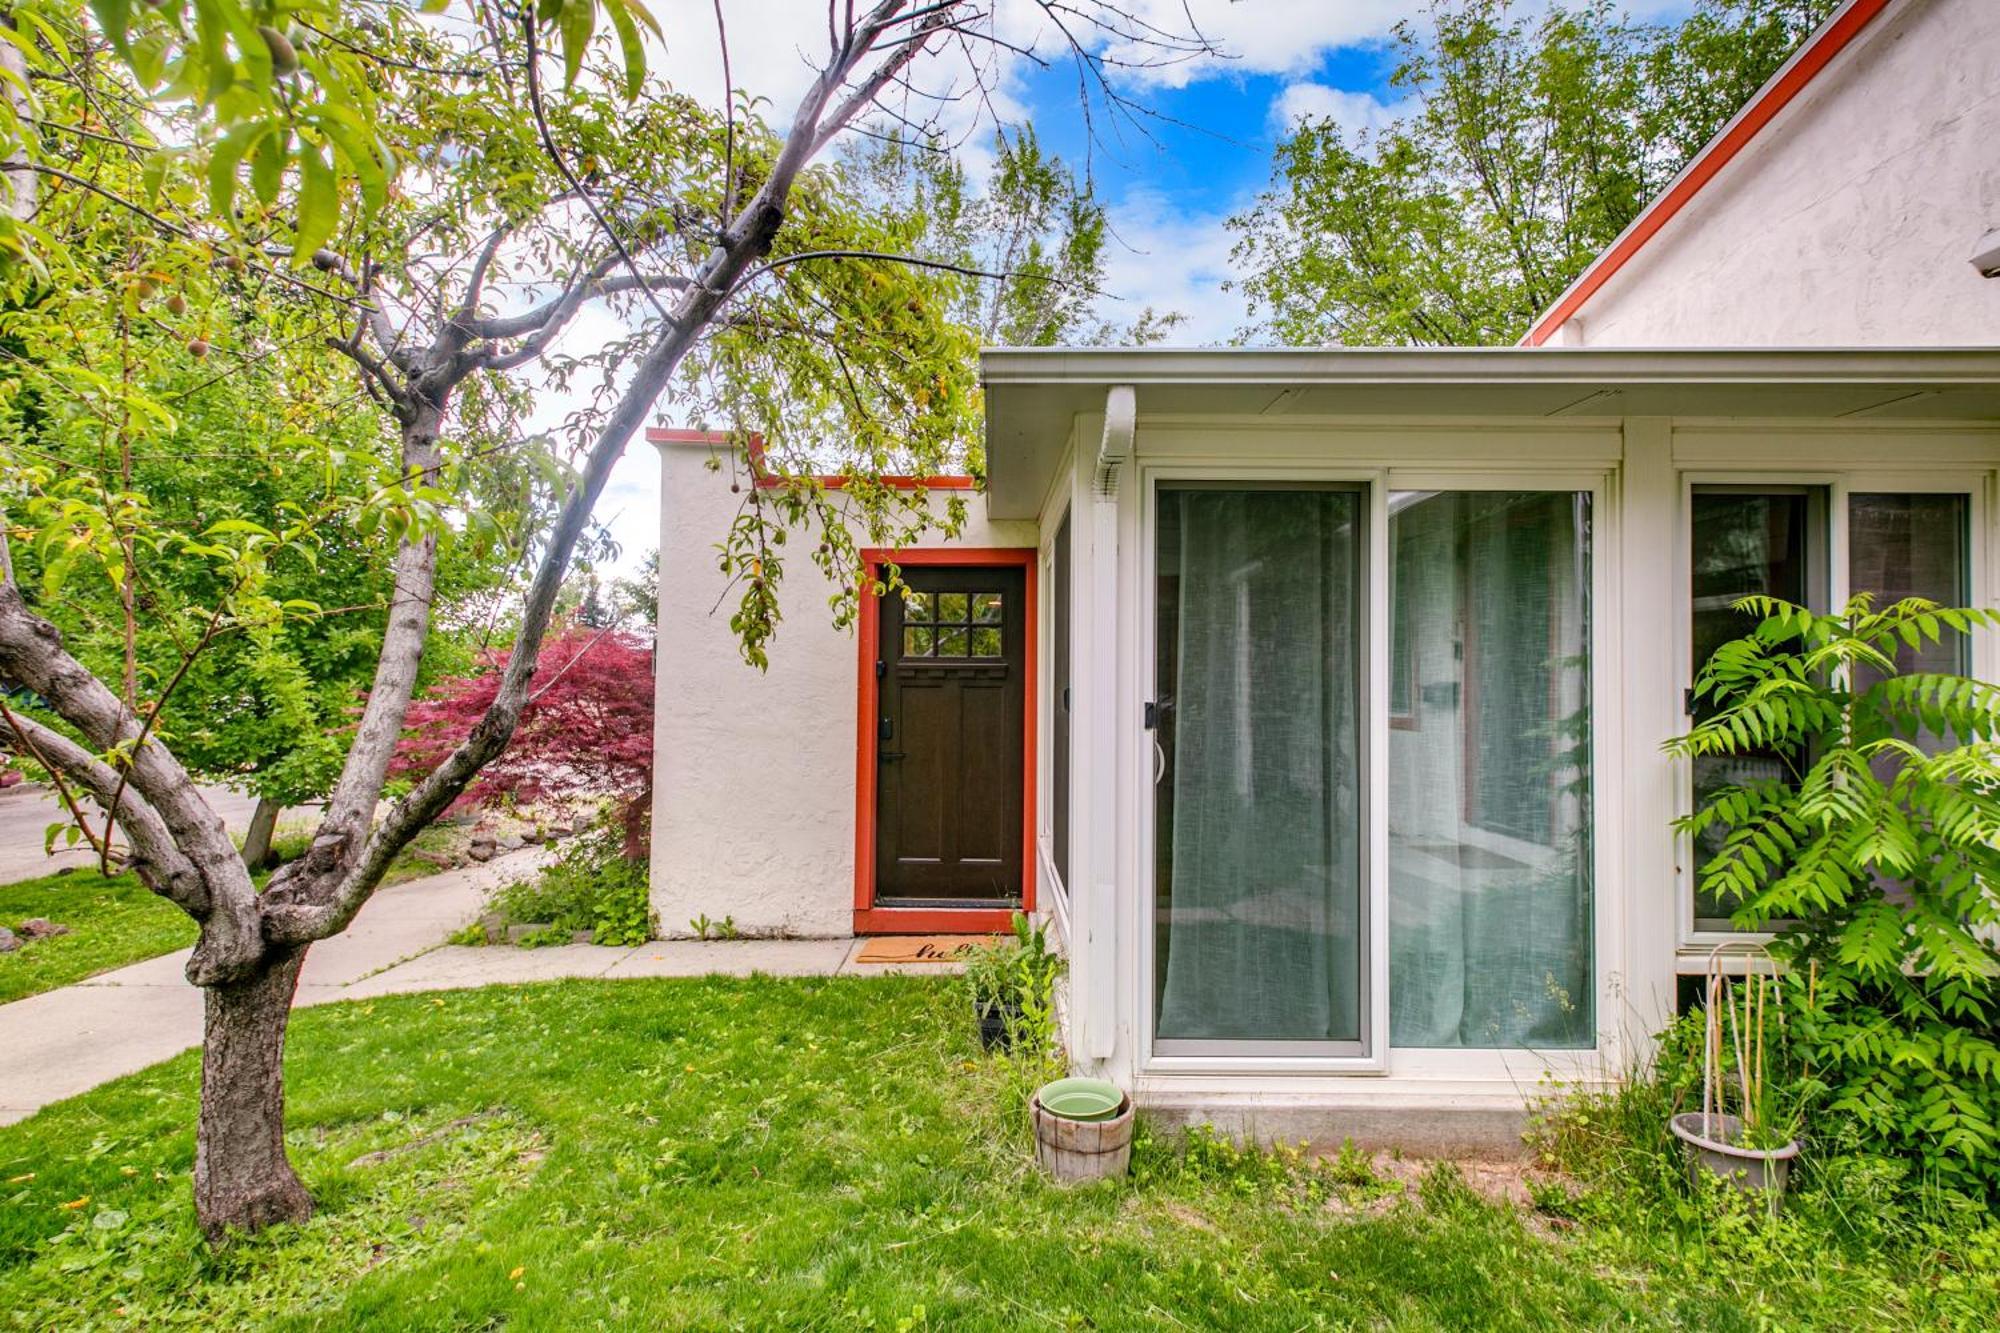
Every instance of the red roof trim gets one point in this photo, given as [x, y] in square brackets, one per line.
[830, 480]
[1818, 52]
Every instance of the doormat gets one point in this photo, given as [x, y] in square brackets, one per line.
[919, 948]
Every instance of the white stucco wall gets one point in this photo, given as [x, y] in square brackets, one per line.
[1850, 219]
[753, 803]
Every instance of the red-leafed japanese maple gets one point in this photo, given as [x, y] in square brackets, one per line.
[586, 732]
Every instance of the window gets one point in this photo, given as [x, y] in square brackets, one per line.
[1059, 613]
[1746, 541]
[1490, 853]
[1260, 910]
[1777, 540]
[952, 624]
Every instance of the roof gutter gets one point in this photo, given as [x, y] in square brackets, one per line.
[1002, 367]
[1791, 79]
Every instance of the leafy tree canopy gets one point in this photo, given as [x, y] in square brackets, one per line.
[1535, 138]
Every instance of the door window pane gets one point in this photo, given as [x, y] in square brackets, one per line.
[1259, 911]
[1490, 864]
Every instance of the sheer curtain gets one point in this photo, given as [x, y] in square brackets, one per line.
[1489, 805]
[1259, 883]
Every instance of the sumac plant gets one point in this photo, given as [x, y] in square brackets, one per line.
[1873, 858]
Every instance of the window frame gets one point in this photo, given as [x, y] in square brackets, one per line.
[1694, 943]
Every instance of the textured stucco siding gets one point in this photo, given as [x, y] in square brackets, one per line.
[754, 794]
[1850, 219]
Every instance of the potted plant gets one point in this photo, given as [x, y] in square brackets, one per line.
[1751, 1146]
[1012, 984]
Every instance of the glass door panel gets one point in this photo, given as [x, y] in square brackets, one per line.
[1490, 865]
[1260, 920]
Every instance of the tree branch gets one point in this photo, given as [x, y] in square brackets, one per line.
[31, 652]
[155, 858]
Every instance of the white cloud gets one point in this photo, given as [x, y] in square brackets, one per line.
[1171, 260]
[1261, 36]
[1352, 111]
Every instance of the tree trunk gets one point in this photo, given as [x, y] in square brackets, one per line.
[257, 838]
[242, 1179]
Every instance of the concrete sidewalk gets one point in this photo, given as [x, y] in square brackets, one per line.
[68, 1041]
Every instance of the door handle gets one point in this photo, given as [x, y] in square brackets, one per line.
[888, 756]
[1159, 759]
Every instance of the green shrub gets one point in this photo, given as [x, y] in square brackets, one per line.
[1873, 859]
[591, 885]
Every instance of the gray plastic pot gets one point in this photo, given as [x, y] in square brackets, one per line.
[1714, 1143]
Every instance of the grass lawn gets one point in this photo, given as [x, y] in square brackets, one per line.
[834, 1153]
[112, 921]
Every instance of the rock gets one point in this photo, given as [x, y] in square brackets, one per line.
[8, 942]
[481, 849]
[495, 927]
[519, 932]
[442, 860]
[512, 843]
[41, 928]
[583, 937]
[533, 836]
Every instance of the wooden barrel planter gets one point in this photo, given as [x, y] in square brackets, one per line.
[1076, 1150]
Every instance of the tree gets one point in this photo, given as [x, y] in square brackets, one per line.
[399, 174]
[1033, 221]
[1533, 143]
[585, 733]
[1873, 858]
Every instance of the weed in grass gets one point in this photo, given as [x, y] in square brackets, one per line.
[590, 886]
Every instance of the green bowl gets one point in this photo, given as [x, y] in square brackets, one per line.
[1081, 1099]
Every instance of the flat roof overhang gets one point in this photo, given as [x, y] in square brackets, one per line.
[1033, 395]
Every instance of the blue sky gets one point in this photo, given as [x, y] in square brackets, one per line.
[1214, 136]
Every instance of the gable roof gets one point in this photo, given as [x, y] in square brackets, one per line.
[1807, 63]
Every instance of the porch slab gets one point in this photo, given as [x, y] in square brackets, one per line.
[1482, 1129]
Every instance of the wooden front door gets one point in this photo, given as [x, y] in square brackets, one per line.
[951, 662]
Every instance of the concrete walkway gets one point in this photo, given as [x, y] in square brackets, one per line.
[67, 1041]
[27, 809]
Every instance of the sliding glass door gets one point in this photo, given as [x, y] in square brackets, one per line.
[1490, 846]
[1260, 904]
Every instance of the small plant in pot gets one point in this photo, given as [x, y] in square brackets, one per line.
[1012, 984]
[1747, 1129]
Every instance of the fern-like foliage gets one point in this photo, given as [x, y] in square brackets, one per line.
[1876, 862]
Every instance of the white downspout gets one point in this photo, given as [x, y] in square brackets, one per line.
[1096, 909]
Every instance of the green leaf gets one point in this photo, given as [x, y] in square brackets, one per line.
[630, 45]
[351, 137]
[152, 176]
[577, 23]
[222, 165]
[115, 17]
[267, 165]
[319, 203]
